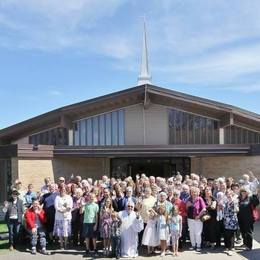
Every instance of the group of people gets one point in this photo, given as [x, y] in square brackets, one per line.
[126, 214]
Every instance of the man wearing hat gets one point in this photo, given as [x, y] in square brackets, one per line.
[13, 216]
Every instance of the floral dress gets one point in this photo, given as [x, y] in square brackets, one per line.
[230, 215]
[105, 221]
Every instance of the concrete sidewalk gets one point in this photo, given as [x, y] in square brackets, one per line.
[211, 254]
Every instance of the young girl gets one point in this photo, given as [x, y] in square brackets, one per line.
[150, 236]
[175, 223]
[105, 222]
[163, 228]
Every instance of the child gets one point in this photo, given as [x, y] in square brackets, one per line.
[90, 210]
[220, 203]
[150, 236]
[175, 223]
[105, 222]
[115, 232]
[163, 228]
[220, 215]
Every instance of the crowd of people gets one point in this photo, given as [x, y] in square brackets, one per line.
[125, 214]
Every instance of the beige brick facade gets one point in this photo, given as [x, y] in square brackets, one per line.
[35, 170]
[233, 166]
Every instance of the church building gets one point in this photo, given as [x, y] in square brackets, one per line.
[146, 129]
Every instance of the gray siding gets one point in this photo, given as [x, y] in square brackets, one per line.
[155, 125]
[134, 131]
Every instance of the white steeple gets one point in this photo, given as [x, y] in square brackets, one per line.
[144, 77]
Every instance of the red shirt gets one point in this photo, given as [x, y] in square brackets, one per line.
[30, 217]
[182, 207]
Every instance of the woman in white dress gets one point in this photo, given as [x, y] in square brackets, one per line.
[62, 226]
[151, 236]
[132, 223]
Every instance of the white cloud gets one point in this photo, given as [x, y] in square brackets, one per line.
[54, 93]
[191, 42]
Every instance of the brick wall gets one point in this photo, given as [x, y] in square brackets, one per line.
[34, 171]
[233, 166]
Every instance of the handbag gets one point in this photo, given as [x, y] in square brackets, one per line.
[255, 213]
[205, 217]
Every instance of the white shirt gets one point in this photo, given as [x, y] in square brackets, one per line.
[59, 204]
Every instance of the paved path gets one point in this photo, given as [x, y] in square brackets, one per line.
[186, 255]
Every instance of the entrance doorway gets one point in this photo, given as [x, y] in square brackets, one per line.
[163, 167]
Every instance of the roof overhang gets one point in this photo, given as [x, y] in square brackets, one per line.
[50, 151]
[145, 94]
[151, 151]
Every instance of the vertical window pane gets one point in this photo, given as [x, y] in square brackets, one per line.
[102, 130]
[191, 133]
[76, 133]
[95, 131]
[121, 127]
[210, 131]
[89, 132]
[178, 126]
[197, 129]
[244, 136]
[250, 135]
[184, 128]
[108, 129]
[216, 132]
[114, 128]
[233, 135]
[82, 132]
[203, 134]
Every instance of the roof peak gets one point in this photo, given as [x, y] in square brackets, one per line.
[144, 77]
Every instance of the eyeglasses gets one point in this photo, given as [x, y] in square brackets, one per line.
[175, 194]
[130, 206]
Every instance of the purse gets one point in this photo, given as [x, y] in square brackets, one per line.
[205, 217]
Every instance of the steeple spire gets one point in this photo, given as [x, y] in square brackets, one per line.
[144, 77]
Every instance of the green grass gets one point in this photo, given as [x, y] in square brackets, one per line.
[3, 227]
[3, 243]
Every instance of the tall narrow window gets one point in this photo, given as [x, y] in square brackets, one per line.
[95, 131]
[108, 129]
[89, 132]
[102, 130]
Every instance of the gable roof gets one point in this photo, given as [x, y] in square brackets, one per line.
[140, 94]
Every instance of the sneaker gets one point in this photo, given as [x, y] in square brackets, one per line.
[229, 253]
[118, 257]
[192, 248]
[87, 252]
[33, 251]
[198, 249]
[11, 248]
[163, 254]
[45, 252]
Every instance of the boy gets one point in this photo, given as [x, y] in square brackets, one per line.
[90, 222]
[115, 235]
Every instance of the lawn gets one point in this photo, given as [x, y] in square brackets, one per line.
[3, 243]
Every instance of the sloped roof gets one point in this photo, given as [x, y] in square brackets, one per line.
[129, 96]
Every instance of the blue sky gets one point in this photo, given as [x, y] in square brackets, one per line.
[58, 52]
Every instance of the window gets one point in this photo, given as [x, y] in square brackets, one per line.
[238, 135]
[186, 128]
[105, 129]
[56, 136]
